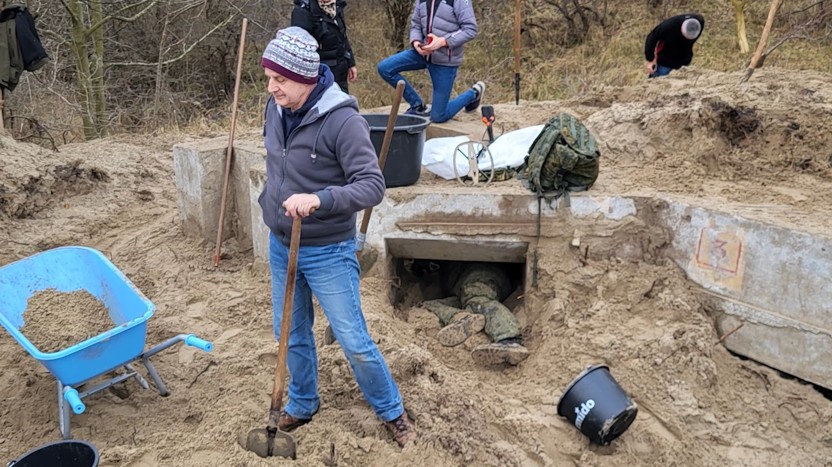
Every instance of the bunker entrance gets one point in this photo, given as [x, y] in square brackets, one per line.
[426, 279]
[430, 269]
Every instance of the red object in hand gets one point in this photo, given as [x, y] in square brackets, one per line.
[430, 39]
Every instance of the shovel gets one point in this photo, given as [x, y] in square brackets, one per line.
[270, 441]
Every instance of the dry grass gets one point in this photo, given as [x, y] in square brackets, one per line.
[612, 55]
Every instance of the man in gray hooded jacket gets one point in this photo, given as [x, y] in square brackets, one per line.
[321, 166]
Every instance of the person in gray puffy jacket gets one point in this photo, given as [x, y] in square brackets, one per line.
[439, 30]
[321, 166]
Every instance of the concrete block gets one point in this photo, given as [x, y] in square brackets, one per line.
[247, 154]
[199, 171]
[473, 130]
[773, 279]
[259, 230]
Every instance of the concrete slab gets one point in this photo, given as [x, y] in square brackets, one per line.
[473, 130]
[776, 281]
[259, 230]
[773, 279]
[246, 156]
[199, 169]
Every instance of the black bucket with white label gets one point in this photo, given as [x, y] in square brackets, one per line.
[65, 453]
[597, 406]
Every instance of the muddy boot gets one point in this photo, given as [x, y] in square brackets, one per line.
[508, 351]
[463, 326]
[444, 308]
[500, 322]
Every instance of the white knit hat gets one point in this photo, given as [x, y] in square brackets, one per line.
[691, 28]
[293, 53]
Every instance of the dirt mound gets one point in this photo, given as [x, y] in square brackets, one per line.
[699, 133]
[692, 134]
[33, 178]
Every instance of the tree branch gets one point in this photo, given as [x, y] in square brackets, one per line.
[114, 16]
[75, 19]
[240, 11]
[184, 52]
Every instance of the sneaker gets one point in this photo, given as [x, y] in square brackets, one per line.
[402, 429]
[420, 110]
[461, 329]
[499, 353]
[479, 88]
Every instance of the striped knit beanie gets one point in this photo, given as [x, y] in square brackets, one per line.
[293, 54]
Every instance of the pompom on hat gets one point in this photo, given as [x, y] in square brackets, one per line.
[293, 53]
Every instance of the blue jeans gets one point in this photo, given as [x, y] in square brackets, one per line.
[442, 77]
[331, 273]
[661, 70]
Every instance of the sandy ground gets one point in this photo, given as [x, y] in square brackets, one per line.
[688, 136]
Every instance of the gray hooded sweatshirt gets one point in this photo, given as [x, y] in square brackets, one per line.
[329, 154]
[452, 19]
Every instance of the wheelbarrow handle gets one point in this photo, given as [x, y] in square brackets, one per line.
[201, 344]
[74, 400]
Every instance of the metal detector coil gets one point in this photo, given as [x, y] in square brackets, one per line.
[475, 152]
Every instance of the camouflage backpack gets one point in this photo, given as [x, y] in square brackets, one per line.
[563, 157]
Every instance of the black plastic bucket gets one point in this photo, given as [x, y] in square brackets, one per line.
[597, 405]
[404, 158]
[67, 453]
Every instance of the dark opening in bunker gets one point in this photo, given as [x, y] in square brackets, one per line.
[427, 279]
[422, 269]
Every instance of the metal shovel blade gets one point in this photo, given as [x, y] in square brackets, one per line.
[266, 442]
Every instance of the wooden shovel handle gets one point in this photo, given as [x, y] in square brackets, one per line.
[285, 325]
[385, 146]
[391, 123]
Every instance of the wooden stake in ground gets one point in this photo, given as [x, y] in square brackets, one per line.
[761, 45]
[230, 150]
[727, 334]
[517, 52]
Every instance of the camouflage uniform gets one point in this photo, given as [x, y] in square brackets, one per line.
[479, 288]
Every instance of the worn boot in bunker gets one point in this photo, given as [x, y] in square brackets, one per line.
[444, 308]
[499, 353]
[463, 326]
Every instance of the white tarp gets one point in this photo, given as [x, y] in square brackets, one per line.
[508, 150]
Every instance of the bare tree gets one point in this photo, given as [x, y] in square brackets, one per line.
[87, 21]
[580, 16]
[816, 26]
[742, 37]
[398, 17]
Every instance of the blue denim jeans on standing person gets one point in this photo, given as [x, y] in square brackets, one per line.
[661, 70]
[331, 272]
[442, 77]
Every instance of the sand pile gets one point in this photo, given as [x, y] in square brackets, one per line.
[699, 405]
[55, 320]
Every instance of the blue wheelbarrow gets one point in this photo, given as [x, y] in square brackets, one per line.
[68, 269]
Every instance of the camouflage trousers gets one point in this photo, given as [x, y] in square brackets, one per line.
[500, 322]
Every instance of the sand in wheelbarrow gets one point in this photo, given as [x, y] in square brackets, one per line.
[56, 320]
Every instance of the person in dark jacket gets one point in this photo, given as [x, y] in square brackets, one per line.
[439, 30]
[321, 166]
[324, 20]
[669, 46]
